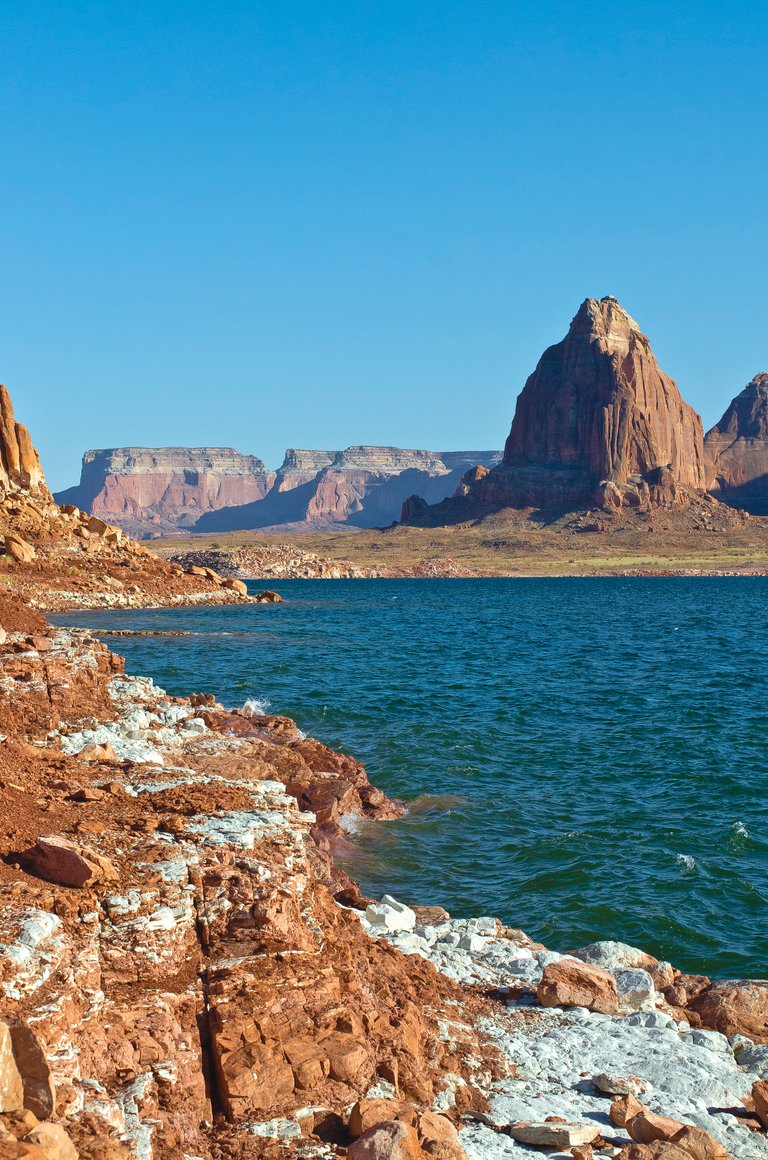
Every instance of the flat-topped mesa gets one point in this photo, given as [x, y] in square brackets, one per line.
[363, 485]
[19, 462]
[596, 422]
[155, 489]
[300, 466]
[737, 450]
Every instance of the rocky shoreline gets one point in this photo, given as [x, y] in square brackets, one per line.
[186, 974]
[195, 978]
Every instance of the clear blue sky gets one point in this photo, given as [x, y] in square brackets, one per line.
[273, 223]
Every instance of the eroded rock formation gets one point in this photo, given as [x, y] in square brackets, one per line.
[185, 972]
[19, 462]
[737, 450]
[62, 556]
[597, 421]
[150, 490]
[363, 486]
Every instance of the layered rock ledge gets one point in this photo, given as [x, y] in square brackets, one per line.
[185, 973]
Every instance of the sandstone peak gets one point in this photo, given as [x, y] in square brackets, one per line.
[598, 403]
[737, 449]
[597, 421]
[19, 462]
[608, 320]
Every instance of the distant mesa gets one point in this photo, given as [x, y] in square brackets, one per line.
[156, 491]
[737, 450]
[597, 423]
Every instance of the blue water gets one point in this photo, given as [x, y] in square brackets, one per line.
[586, 758]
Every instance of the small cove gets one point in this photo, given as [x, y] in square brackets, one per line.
[585, 758]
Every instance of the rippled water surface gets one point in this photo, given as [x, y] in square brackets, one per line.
[584, 758]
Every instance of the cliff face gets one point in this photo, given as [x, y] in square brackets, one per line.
[19, 461]
[146, 490]
[151, 491]
[597, 421]
[737, 450]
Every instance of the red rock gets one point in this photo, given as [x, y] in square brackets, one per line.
[39, 1091]
[737, 450]
[57, 859]
[735, 1007]
[646, 1126]
[53, 1141]
[154, 489]
[623, 1108]
[760, 1098]
[596, 421]
[268, 597]
[699, 1145]
[570, 983]
[19, 462]
[233, 585]
[96, 752]
[89, 794]
[18, 549]
[393, 1141]
[439, 1138]
[368, 1112]
[11, 1086]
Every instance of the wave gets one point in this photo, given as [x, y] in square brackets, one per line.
[259, 706]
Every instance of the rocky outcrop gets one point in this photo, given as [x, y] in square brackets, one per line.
[597, 421]
[19, 462]
[362, 486]
[737, 450]
[62, 557]
[153, 490]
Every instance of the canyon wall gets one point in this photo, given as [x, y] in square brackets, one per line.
[737, 450]
[148, 491]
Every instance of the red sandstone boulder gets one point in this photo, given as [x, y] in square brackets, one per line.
[57, 859]
[760, 1099]
[18, 549]
[661, 1138]
[367, 1113]
[234, 585]
[97, 752]
[735, 1007]
[37, 1082]
[439, 1138]
[623, 1108]
[570, 983]
[53, 1142]
[392, 1141]
[660, 1150]
[11, 1086]
[646, 1126]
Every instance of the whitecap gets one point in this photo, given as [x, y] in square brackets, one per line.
[685, 861]
[256, 705]
[739, 830]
